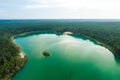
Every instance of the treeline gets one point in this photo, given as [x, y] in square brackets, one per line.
[10, 61]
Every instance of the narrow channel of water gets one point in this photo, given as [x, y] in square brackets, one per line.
[71, 59]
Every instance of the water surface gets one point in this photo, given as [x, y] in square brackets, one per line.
[72, 58]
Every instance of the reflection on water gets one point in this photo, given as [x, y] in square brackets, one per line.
[72, 59]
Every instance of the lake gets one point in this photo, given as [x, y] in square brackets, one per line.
[71, 58]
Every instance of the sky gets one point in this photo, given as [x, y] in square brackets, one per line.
[59, 9]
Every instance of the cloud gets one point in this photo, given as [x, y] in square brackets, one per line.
[74, 4]
[36, 6]
[60, 8]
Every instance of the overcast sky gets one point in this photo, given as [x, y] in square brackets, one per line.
[59, 9]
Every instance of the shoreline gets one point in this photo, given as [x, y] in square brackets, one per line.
[20, 56]
[25, 56]
[31, 33]
[101, 44]
[90, 38]
[20, 53]
[67, 32]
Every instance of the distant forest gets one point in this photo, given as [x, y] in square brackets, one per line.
[107, 33]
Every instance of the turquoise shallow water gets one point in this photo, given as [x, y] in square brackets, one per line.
[71, 59]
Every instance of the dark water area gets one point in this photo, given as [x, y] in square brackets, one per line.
[72, 58]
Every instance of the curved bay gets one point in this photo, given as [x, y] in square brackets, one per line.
[71, 59]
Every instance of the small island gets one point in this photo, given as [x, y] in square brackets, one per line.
[45, 53]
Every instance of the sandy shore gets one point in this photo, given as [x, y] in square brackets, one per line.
[22, 55]
[67, 32]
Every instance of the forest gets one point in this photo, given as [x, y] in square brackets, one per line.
[107, 33]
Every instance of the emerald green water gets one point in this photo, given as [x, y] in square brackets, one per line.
[72, 58]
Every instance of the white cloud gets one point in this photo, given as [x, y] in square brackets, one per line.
[74, 4]
[61, 8]
[36, 6]
[75, 8]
